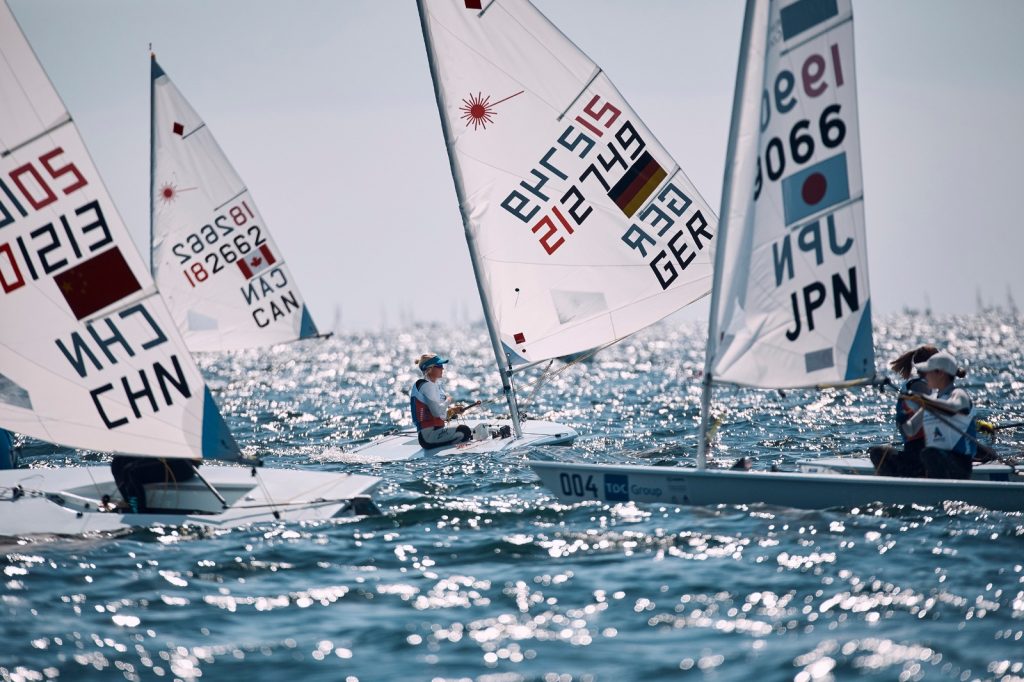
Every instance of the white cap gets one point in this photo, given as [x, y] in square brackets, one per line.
[941, 361]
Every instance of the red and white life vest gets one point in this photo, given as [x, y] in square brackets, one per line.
[422, 417]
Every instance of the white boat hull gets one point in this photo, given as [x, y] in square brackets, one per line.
[677, 485]
[406, 445]
[68, 501]
[862, 466]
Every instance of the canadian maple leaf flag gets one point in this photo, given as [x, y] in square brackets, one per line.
[257, 262]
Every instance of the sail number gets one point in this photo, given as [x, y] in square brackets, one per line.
[799, 145]
[574, 485]
[230, 236]
[229, 252]
[622, 149]
[64, 239]
[34, 189]
[211, 233]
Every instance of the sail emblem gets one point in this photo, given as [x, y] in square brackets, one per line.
[472, 4]
[478, 111]
[97, 282]
[257, 263]
[178, 129]
[819, 187]
[168, 192]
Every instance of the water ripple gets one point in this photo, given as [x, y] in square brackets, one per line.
[475, 572]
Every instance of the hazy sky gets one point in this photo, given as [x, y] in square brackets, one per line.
[326, 109]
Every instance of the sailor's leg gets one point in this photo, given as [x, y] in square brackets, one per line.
[931, 459]
[960, 466]
[945, 464]
[132, 473]
[440, 437]
[883, 457]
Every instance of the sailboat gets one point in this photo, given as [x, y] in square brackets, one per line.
[90, 356]
[790, 304]
[224, 278]
[581, 228]
[212, 257]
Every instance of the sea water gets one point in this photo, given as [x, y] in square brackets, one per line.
[475, 572]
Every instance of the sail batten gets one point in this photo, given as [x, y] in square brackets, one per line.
[89, 355]
[587, 229]
[225, 279]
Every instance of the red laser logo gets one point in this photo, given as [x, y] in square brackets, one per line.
[478, 111]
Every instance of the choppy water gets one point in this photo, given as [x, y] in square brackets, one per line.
[475, 572]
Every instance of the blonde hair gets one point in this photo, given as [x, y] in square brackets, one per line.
[423, 358]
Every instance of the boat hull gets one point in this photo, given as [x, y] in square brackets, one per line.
[405, 444]
[862, 466]
[677, 485]
[68, 501]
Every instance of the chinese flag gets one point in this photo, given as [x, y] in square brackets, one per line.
[97, 282]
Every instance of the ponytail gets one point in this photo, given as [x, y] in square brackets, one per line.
[904, 364]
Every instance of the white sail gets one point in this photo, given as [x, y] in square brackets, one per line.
[793, 305]
[223, 277]
[585, 229]
[89, 354]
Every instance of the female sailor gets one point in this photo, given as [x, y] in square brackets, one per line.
[430, 409]
[889, 460]
[948, 417]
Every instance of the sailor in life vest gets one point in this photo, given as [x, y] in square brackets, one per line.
[430, 409]
[948, 418]
[887, 459]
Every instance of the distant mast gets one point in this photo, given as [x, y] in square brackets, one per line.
[90, 357]
[225, 279]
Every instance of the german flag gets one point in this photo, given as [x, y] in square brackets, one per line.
[637, 185]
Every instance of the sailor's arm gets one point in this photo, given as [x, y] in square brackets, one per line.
[913, 423]
[957, 402]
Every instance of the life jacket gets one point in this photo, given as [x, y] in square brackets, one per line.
[954, 432]
[905, 409]
[422, 417]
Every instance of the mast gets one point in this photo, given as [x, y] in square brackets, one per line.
[729, 190]
[474, 257]
[152, 152]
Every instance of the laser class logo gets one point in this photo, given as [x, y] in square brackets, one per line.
[616, 487]
[478, 111]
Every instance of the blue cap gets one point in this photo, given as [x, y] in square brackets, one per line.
[433, 361]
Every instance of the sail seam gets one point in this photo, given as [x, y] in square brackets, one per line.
[486, 8]
[597, 72]
[193, 132]
[244, 190]
[51, 129]
[815, 217]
